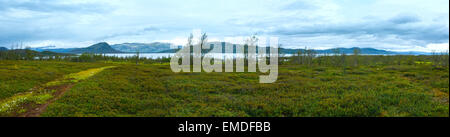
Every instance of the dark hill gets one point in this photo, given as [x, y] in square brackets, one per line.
[102, 47]
[3, 49]
[27, 52]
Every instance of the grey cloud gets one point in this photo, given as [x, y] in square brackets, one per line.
[20, 33]
[151, 29]
[435, 33]
[58, 24]
[132, 33]
[404, 19]
[52, 6]
[298, 5]
[299, 21]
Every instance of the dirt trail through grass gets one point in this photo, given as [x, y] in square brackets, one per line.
[33, 103]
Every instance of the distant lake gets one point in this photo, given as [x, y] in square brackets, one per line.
[161, 55]
[226, 55]
[144, 55]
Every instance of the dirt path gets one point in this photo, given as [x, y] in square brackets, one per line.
[36, 110]
[25, 105]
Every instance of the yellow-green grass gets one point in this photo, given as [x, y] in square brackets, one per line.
[76, 77]
[14, 103]
[40, 96]
[21, 76]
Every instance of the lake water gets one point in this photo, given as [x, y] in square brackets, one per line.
[144, 55]
[226, 55]
[161, 55]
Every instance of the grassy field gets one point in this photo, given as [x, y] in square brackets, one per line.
[155, 91]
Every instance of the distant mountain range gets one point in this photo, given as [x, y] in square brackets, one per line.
[158, 47]
[24, 52]
[3, 49]
[52, 49]
[365, 51]
[116, 48]
[341, 50]
[101, 47]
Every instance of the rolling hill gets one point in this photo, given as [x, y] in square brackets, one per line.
[3, 49]
[25, 52]
[155, 47]
[102, 47]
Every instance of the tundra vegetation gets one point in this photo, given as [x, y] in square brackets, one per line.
[308, 85]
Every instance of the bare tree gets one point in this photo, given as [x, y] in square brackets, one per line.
[336, 59]
[137, 56]
[251, 47]
[191, 37]
[356, 52]
[203, 42]
[28, 53]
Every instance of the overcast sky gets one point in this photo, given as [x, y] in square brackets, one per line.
[398, 25]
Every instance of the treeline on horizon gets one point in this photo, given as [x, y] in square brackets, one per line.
[305, 57]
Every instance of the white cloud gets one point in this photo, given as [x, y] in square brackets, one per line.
[298, 23]
[442, 47]
[176, 41]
